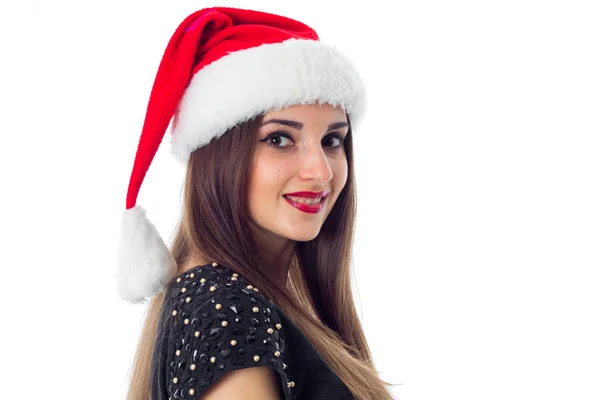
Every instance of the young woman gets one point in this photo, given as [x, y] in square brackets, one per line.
[253, 299]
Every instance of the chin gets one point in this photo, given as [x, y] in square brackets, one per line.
[304, 238]
[302, 235]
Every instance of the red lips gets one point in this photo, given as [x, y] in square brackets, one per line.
[310, 195]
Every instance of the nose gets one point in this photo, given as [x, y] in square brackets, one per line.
[315, 165]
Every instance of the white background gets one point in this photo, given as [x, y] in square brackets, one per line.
[478, 168]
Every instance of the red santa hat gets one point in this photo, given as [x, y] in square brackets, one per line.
[223, 66]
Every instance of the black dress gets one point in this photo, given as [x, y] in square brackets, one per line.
[214, 321]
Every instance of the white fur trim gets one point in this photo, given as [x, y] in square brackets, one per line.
[246, 83]
[145, 262]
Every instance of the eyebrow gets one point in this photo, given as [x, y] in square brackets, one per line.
[298, 125]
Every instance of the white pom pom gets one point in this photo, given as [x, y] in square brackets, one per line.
[145, 264]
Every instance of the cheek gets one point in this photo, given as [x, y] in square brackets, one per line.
[340, 173]
[266, 179]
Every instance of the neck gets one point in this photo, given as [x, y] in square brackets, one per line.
[277, 251]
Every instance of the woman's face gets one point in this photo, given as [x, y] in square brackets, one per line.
[298, 149]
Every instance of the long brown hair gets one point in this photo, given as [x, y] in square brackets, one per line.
[318, 298]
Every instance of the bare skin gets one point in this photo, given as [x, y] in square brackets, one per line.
[253, 383]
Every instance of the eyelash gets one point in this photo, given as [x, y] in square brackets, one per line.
[267, 139]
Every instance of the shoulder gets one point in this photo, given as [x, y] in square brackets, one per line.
[219, 323]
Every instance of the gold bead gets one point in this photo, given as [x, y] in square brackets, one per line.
[235, 275]
[193, 367]
[255, 289]
[233, 342]
[284, 366]
[215, 264]
[212, 288]
[178, 353]
[192, 275]
[256, 358]
[224, 324]
[213, 360]
[183, 290]
[249, 287]
[186, 321]
[289, 384]
[197, 333]
[174, 313]
[234, 279]
[203, 280]
[178, 280]
[218, 306]
[278, 326]
[188, 299]
[293, 384]
[255, 309]
[192, 392]
[175, 380]
[270, 331]
[277, 354]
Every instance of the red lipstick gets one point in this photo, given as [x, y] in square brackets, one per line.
[308, 208]
[310, 195]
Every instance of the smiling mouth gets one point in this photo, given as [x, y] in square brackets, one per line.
[307, 207]
[306, 200]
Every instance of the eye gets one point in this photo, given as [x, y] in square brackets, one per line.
[335, 136]
[275, 138]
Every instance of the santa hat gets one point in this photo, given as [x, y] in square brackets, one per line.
[223, 66]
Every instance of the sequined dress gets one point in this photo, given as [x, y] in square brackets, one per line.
[214, 321]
